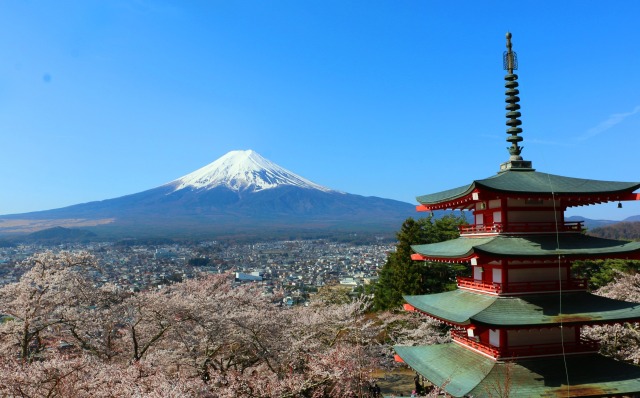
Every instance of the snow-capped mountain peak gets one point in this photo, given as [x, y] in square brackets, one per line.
[243, 170]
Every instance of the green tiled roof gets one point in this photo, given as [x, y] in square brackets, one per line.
[462, 372]
[527, 245]
[445, 195]
[457, 306]
[454, 248]
[533, 182]
[464, 307]
[454, 368]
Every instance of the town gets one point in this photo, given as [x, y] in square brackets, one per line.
[294, 267]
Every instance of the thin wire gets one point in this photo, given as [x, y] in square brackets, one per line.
[564, 355]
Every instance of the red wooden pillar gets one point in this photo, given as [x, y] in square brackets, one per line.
[503, 341]
[505, 272]
[505, 214]
[505, 266]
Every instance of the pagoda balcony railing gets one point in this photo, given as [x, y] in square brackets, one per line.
[471, 283]
[480, 228]
[461, 337]
[531, 350]
[522, 287]
[521, 227]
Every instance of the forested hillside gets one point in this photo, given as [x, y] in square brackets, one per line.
[621, 230]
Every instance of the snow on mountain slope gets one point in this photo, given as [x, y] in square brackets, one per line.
[243, 170]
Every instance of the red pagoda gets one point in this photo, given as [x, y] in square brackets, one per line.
[516, 323]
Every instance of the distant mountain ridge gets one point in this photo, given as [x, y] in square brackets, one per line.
[591, 223]
[239, 193]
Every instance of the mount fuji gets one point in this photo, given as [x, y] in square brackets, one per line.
[243, 171]
[240, 193]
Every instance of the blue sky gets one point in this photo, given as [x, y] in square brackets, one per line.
[396, 99]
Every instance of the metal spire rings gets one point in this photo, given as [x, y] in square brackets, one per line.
[510, 62]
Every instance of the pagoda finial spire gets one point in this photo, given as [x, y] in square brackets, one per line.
[510, 63]
[510, 57]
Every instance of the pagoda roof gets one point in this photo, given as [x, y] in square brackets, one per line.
[528, 181]
[573, 244]
[462, 307]
[462, 372]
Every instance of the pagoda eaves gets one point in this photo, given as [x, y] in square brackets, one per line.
[575, 246]
[460, 307]
[530, 184]
[466, 374]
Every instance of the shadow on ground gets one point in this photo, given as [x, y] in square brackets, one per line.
[399, 382]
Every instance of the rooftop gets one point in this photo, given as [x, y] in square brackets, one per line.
[462, 372]
[463, 307]
[542, 245]
[535, 183]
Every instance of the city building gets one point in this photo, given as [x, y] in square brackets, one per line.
[517, 321]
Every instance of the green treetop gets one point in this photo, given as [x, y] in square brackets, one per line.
[402, 276]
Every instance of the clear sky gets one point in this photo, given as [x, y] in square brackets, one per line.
[396, 99]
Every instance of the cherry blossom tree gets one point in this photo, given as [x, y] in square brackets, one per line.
[203, 337]
[37, 304]
[88, 376]
[621, 341]
[406, 328]
[220, 328]
[96, 326]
